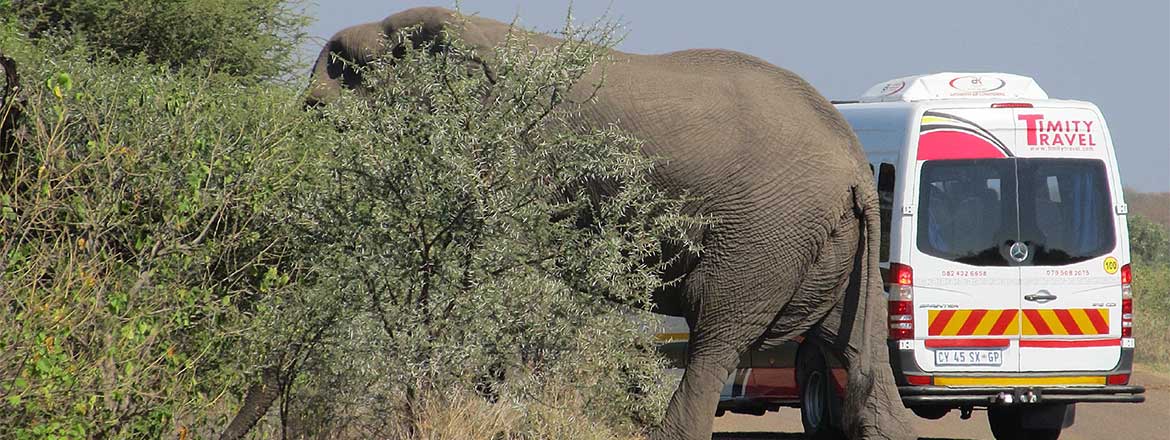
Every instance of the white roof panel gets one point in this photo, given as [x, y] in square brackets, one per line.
[955, 85]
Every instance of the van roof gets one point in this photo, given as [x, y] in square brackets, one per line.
[955, 85]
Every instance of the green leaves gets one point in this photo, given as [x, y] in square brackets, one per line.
[252, 39]
[438, 223]
[135, 224]
[1149, 241]
[168, 233]
[1150, 248]
[60, 84]
[7, 213]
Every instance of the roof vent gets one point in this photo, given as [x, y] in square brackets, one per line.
[952, 85]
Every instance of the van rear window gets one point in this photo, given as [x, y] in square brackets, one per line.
[972, 210]
[967, 210]
[1065, 210]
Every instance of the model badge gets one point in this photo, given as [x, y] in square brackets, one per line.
[1019, 251]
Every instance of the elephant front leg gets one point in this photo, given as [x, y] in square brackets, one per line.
[692, 407]
[728, 311]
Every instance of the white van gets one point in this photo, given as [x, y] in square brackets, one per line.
[1005, 248]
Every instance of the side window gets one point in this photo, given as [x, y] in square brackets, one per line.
[885, 189]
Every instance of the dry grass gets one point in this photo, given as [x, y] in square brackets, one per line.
[555, 414]
[466, 417]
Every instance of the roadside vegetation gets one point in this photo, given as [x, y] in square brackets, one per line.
[1150, 249]
[184, 248]
[1149, 234]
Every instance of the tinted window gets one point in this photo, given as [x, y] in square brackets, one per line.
[1065, 214]
[967, 210]
[885, 187]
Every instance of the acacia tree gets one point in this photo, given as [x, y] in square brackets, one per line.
[1149, 241]
[139, 229]
[456, 219]
[169, 234]
[251, 40]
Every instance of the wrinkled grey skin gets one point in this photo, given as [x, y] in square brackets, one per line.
[795, 245]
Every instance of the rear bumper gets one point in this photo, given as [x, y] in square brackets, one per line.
[989, 396]
[1024, 393]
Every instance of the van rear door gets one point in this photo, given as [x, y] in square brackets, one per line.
[966, 288]
[1016, 241]
[1070, 279]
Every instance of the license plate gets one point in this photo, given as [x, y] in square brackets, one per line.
[968, 357]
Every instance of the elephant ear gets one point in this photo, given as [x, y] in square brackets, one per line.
[338, 63]
[342, 58]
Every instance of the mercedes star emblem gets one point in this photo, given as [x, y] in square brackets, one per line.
[1019, 251]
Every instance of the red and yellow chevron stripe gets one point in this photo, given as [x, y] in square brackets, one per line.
[1066, 322]
[978, 322]
[983, 322]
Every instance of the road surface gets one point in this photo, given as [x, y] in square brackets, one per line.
[1118, 421]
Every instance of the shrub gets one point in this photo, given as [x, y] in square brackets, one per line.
[458, 218]
[136, 236]
[249, 39]
[1152, 312]
[174, 228]
[1148, 241]
[1150, 249]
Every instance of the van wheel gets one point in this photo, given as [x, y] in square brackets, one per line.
[817, 399]
[1006, 424]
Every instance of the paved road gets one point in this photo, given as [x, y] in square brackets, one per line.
[1118, 421]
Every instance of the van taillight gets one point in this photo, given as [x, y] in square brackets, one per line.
[1011, 105]
[901, 306]
[918, 380]
[1126, 302]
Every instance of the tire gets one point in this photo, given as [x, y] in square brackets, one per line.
[819, 404]
[1006, 424]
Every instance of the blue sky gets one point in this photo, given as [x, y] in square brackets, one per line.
[1113, 53]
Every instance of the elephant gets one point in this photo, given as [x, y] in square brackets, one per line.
[794, 248]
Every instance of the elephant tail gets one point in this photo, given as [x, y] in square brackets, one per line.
[866, 205]
[871, 297]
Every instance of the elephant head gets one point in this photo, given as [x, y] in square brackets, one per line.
[337, 64]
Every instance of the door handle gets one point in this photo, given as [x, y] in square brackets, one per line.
[1041, 297]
